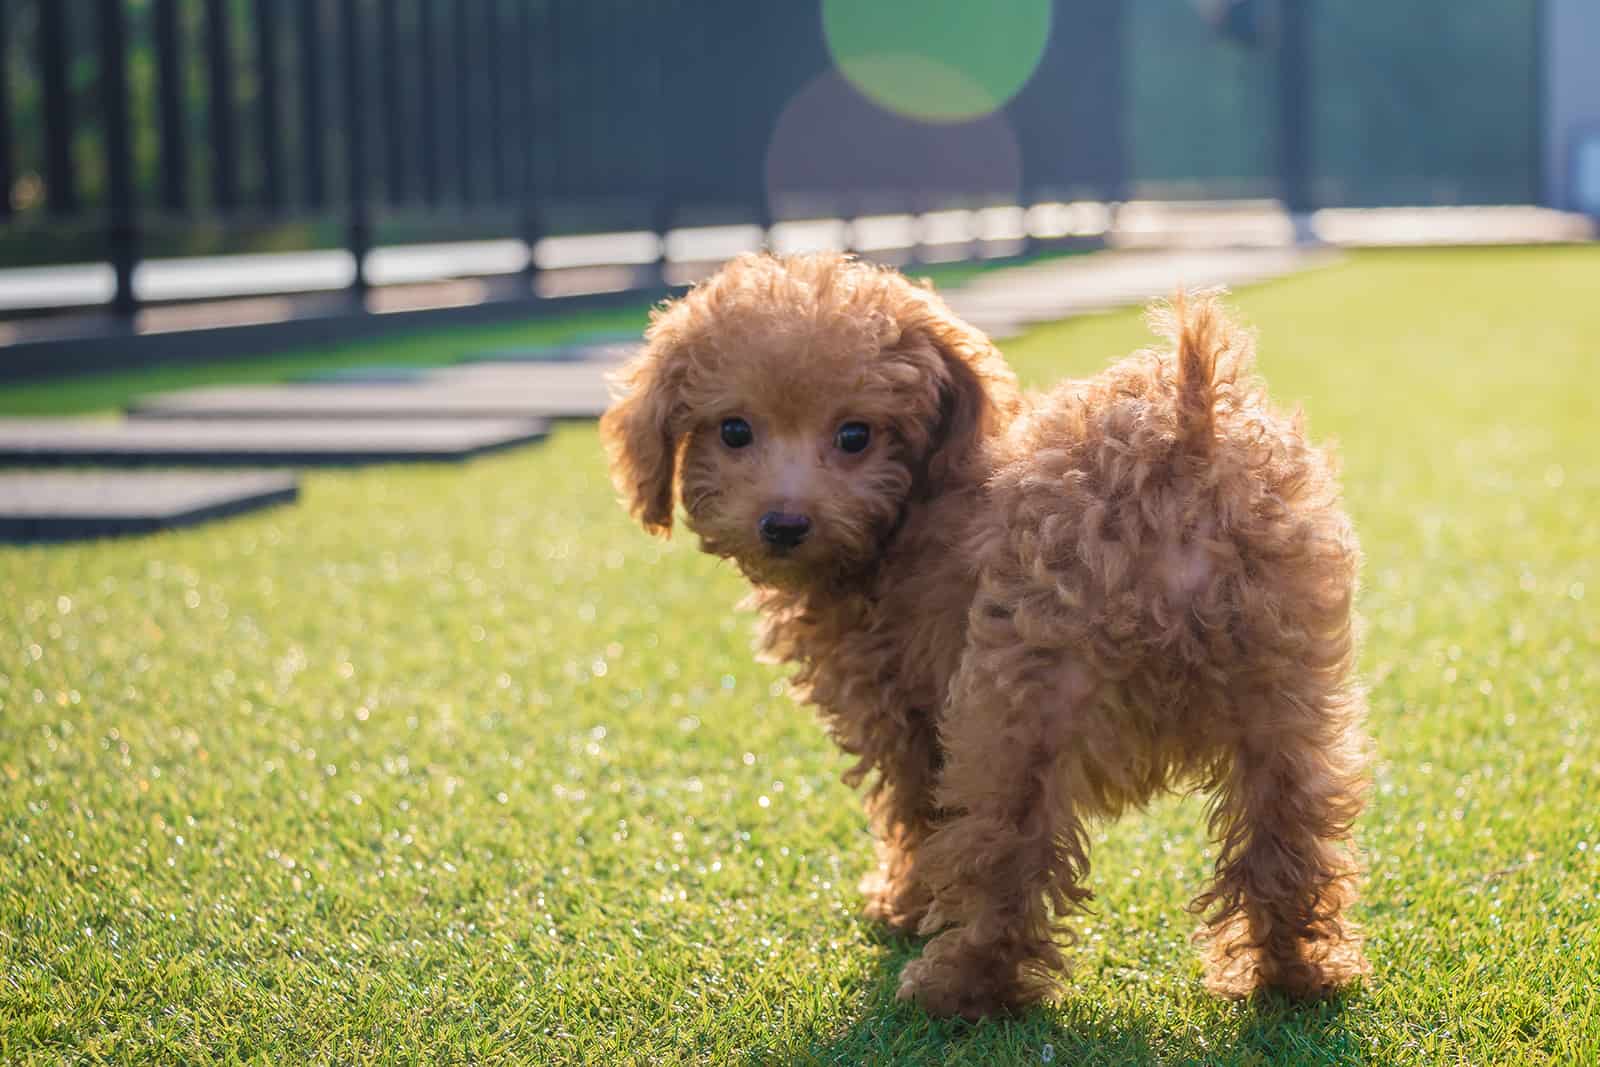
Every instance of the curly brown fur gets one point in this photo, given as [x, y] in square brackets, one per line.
[1022, 614]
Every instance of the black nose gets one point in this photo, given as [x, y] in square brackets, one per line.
[784, 531]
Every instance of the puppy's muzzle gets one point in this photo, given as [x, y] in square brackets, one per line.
[782, 530]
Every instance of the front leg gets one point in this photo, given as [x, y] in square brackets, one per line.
[1014, 849]
[903, 816]
[854, 673]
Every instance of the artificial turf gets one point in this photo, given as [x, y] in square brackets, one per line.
[454, 764]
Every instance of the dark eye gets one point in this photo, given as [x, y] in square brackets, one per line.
[736, 433]
[853, 436]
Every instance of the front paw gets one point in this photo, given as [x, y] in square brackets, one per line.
[953, 980]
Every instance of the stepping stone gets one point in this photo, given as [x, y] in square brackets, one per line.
[530, 375]
[298, 442]
[1008, 331]
[380, 374]
[66, 506]
[542, 354]
[997, 327]
[1018, 315]
[1061, 288]
[526, 375]
[435, 398]
[613, 352]
[606, 338]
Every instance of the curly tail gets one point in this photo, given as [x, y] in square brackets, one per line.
[1210, 352]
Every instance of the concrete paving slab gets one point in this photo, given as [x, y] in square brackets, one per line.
[290, 442]
[378, 374]
[1061, 288]
[557, 376]
[606, 337]
[434, 398]
[537, 354]
[612, 352]
[998, 327]
[67, 506]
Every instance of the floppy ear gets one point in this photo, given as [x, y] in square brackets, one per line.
[977, 394]
[641, 431]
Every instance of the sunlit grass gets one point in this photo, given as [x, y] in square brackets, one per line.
[454, 764]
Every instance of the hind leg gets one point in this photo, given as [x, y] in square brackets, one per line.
[1013, 847]
[1286, 874]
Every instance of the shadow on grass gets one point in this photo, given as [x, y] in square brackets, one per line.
[1265, 1030]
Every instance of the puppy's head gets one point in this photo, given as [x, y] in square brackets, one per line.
[798, 405]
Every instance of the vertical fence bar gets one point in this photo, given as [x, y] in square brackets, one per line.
[589, 40]
[267, 109]
[555, 119]
[428, 105]
[312, 138]
[1072, 116]
[528, 127]
[60, 179]
[394, 114]
[1294, 106]
[1538, 25]
[219, 69]
[492, 51]
[122, 236]
[6, 175]
[690, 87]
[744, 130]
[667, 82]
[757, 126]
[1041, 115]
[169, 103]
[1119, 81]
[578, 145]
[360, 232]
[461, 28]
[669, 90]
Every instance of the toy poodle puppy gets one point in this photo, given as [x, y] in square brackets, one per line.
[1021, 614]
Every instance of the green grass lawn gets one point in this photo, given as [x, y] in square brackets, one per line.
[453, 764]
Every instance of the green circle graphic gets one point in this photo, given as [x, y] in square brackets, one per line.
[937, 60]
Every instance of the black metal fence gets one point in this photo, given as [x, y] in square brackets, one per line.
[133, 128]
